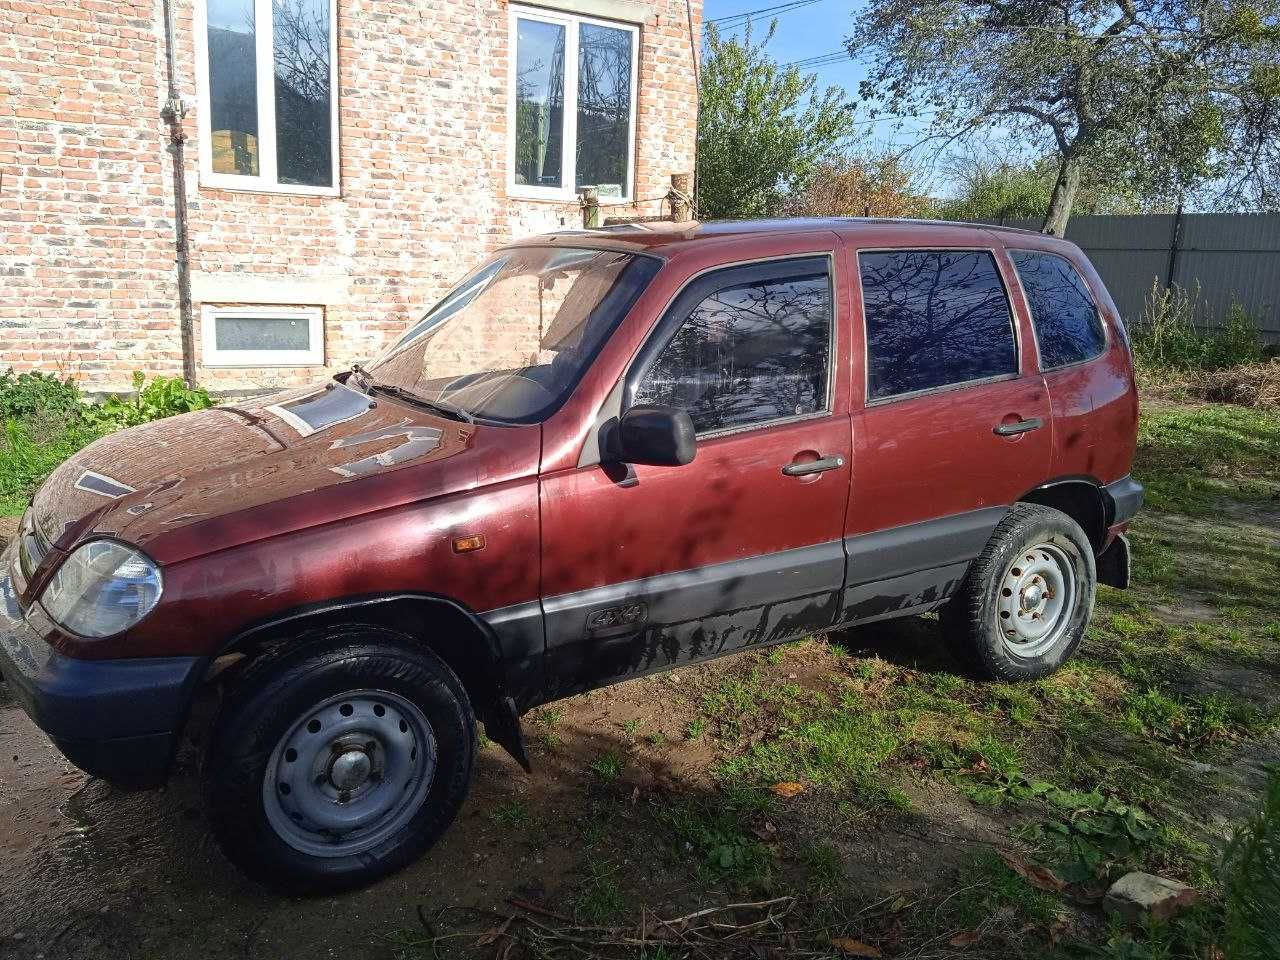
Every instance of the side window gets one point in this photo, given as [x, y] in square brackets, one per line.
[751, 352]
[1068, 327]
[934, 318]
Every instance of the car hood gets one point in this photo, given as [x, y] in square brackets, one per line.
[203, 481]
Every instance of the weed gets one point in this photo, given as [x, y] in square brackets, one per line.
[1253, 880]
[715, 833]
[824, 867]
[549, 716]
[632, 727]
[600, 899]
[1189, 722]
[697, 727]
[609, 765]
[992, 894]
[1173, 334]
[513, 813]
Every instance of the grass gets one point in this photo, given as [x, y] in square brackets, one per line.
[609, 765]
[1253, 880]
[29, 451]
[1092, 767]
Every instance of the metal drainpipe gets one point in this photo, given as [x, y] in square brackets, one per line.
[173, 112]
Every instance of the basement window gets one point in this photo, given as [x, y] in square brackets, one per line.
[262, 336]
[268, 112]
[572, 106]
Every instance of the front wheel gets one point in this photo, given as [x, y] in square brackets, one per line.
[1025, 603]
[339, 760]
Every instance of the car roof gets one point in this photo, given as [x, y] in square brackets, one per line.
[663, 237]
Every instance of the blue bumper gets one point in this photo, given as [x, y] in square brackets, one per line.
[115, 719]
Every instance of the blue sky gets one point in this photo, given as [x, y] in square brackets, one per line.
[813, 30]
[808, 31]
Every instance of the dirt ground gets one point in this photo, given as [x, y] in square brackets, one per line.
[84, 867]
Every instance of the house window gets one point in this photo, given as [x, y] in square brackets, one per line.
[268, 95]
[262, 336]
[573, 106]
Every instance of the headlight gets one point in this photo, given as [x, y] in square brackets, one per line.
[102, 588]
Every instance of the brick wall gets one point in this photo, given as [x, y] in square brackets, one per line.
[87, 276]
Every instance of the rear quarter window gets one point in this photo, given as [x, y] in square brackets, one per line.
[934, 318]
[1066, 320]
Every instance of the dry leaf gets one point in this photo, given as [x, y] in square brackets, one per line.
[1037, 876]
[1056, 932]
[787, 789]
[965, 938]
[855, 948]
[490, 936]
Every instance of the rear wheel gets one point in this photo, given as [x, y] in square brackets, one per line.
[1025, 603]
[339, 761]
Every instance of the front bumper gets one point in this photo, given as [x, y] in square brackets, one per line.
[115, 719]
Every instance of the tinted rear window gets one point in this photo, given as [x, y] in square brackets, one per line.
[934, 318]
[1068, 328]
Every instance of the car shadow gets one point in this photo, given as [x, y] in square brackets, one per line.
[914, 642]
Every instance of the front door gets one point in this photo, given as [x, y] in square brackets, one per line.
[955, 425]
[645, 567]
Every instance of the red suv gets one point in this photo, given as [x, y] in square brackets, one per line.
[603, 454]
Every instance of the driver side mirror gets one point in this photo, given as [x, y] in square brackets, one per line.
[658, 436]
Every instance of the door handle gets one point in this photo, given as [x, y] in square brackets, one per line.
[813, 466]
[1021, 426]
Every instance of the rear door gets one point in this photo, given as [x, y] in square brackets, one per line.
[1088, 385]
[645, 567]
[954, 426]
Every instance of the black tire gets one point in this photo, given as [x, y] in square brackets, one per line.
[271, 698]
[971, 621]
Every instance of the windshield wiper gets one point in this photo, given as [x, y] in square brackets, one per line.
[442, 406]
[361, 377]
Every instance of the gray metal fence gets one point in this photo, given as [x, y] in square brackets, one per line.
[1233, 257]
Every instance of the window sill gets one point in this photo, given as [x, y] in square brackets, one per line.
[561, 197]
[248, 185]
[273, 364]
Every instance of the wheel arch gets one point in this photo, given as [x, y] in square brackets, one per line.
[1083, 499]
[448, 628]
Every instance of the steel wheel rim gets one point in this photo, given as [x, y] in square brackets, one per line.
[1036, 600]
[349, 773]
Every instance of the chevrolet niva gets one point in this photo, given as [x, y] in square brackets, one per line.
[603, 454]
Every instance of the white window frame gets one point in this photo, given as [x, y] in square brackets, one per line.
[211, 356]
[266, 181]
[569, 141]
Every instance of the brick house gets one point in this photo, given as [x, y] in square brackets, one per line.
[343, 162]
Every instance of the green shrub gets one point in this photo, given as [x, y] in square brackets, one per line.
[37, 396]
[1253, 881]
[44, 420]
[1174, 334]
[162, 397]
[26, 459]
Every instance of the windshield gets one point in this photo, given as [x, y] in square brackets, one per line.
[512, 340]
